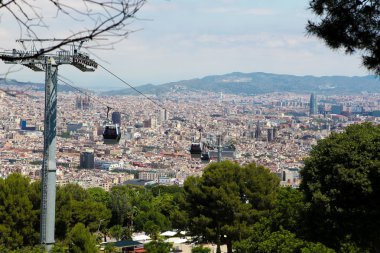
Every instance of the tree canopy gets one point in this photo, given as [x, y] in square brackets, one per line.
[228, 197]
[349, 24]
[241, 206]
[19, 212]
[341, 184]
[80, 240]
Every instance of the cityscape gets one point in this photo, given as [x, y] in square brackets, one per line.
[276, 130]
[189, 126]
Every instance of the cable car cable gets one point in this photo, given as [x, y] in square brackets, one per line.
[111, 133]
[132, 87]
[129, 85]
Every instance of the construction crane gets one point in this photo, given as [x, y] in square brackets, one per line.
[37, 60]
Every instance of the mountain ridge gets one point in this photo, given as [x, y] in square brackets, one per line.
[34, 85]
[244, 84]
[261, 82]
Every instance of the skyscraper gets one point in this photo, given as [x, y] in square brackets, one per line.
[87, 160]
[258, 130]
[164, 115]
[270, 132]
[313, 104]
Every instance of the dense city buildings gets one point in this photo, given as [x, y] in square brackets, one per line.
[276, 130]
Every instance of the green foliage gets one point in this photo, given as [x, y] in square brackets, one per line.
[80, 240]
[162, 189]
[280, 241]
[109, 248]
[127, 233]
[152, 230]
[99, 195]
[27, 249]
[121, 199]
[19, 212]
[341, 183]
[286, 242]
[228, 198]
[59, 247]
[163, 203]
[288, 210]
[157, 215]
[129, 207]
[116, 232]
[75, 205]
[157, 247]
[262, 240]
[351, 25]
[200, 249]
[347, 246]
[90, 213]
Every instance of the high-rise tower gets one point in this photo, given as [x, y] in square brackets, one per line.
[258, 130]
[87, 160]
[313, 104]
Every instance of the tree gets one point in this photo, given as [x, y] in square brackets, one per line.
[109, 248]
[75, 205]
[80, 240]
[161, 189]
[200, 249]
[263, 240]
[286, 242]
[288, 210]
[59, 247]
[227, 199]
[120, 203]
[351, 25]
[99, 195]
[90, 213]
[341, 183]
[116, 232]
[27, 249]
[152, 230]
[19, 216]
[87, 19]
[157, 247]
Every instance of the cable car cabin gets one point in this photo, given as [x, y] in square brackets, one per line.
[111, 134]
[196, 150]
[205, 158]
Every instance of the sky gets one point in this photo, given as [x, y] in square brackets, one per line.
[184, 39]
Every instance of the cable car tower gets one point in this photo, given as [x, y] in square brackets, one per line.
[48, 63]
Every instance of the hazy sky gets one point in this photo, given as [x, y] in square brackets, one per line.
[184, 39]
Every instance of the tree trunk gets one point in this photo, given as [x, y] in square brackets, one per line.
[229, 247]
[218, 250]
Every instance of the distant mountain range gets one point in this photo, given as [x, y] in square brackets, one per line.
[35, 86]
[246, 84]
[258, 83]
